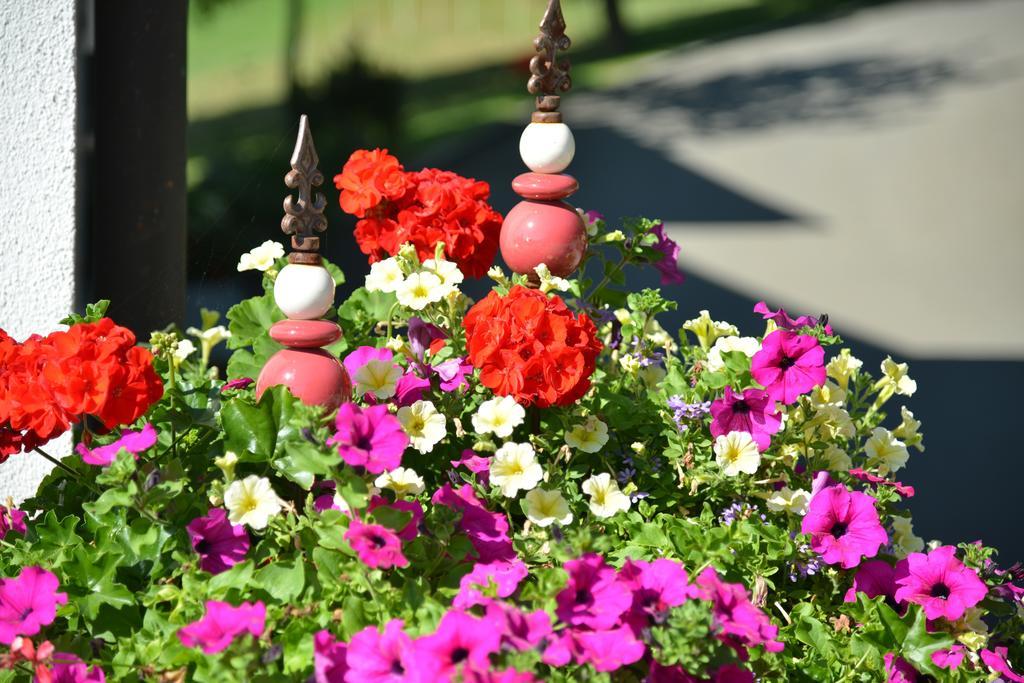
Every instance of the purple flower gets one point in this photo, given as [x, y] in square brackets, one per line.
[28, 603]
[667, 265]
[377, 546]
[220, 544]
[372, 438]
[785, 322]
[788, 365]
[753, 412]
[133, 442]
[843, 526]
[593, 596]
[69, 668]
[240, 383]
[410, 388]
[329, 658]
[11, 519]
[380, 657]
[683, 411]
[459, 638]
[453, 373]
[421, 335]
[505, 576]
[221, 624]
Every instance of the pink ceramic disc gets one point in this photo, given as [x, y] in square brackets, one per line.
[548, 186]
[305, 334]
[536, 232]
[313, 375]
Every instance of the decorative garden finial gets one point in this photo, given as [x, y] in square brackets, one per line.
[304, 291]
[549, 76]
[305, 216]
[543, 229]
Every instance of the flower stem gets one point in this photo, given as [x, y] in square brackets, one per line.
[68, 470]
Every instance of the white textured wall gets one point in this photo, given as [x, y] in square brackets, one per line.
[37, 186]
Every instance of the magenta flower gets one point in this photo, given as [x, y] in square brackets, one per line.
[12, 519]
[240, 383]
[376, 657]
[752, 412]
[940, 583]
[593, 596]
[605, 650]
[69, 668]
[905, 490]
[874, 578]
[788, 365]
[410, 388]
[453, 373]
[997, 661]
[737, 620]
[221, 624]
[477, 464]
[133, 442]
[785, 322]
[413, 507]
[220, 544]
[656, 586]
[898, 670]
[949, 659]
[329, 658]
[422, 336]
[354, 361]
[28, 603]
[371, 438]
[505, 576]
[843, 526]
[460, 640]
[667, 265]
[376, 545]
[487, 531]
[519, 630]
[507, 676]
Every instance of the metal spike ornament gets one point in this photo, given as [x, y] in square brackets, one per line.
[304, 291]
[543, 228]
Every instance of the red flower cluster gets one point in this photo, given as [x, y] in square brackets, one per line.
[396, 206]
[532, 347]
[48, 383]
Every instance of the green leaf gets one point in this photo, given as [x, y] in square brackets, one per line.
[920, 644]
[239, 576]
[251, 319]
[302, 462]
[93, 312]
[111, 498]
[283, 579]
[336, 274]
[249, 429]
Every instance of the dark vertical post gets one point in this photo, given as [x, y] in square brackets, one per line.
[137, 231]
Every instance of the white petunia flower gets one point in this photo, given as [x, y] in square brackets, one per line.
[746, 345]
[498, 416]
[788, 500]
[828, 394]
[737, 452]
[843, 367]
[606, 499]
[908, 429]
[377, 377]
[549, 282]
[423, 424]
[385, 276]
[251, 501]
[589, 437]
[446, 271]
[836, 459]
[212, 336]
[885, 451]
[420, 290]
[904, 540]
[707, 330]
[183, 350]
[544, 508]
[896, 378]
[835, 421]
[514, 468]
[262, 257]
[402, 480]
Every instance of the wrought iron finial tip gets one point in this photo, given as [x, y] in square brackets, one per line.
[549, 76]
[304, 215]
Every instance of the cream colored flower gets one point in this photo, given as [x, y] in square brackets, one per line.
[896, 379]
[377, 377]
[549, 282]
[828, 394]
[834, 421]
[227, 463]
[737, 452]
[652, 374]
[836, 459]
[908, 430]
[419, 290]
[707, 330]
[212, 336]
[423, 424]
[262, 257]
[498, 416]
[402, 480]
[630, 363]
[788, 500]
[904, 540]
[843, 367]
[252, 502]
[514, 468]
[544, 508]
[746, 345]
[446, 271]
[885, 451]
[182, 350]
[589, 437]
[606, 499]
[385, 276]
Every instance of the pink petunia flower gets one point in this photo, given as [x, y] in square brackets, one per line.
[667, 265]
[904, 490]
[410, 388]
[372, 438]
[656, 586]
[874, 578]
[487, 531]
[996, 660]
[376, 545]
[739, 623]
[593, 596]
[788, 365]
[844, 526]
[783, 320]
[519, 630]
[240, 383]
[507, 676]
[506, 577]
[477, 464]
[898, 670]
[219, 543]
[752, 412]
[380, 657]
[605, 650]
[133, 442]
[69, 668]
[949, 659]
[329, 658]
[940, 583]
[221, 624]
[453, 373]
[460, 640]
[355, 360]
[12, 520]
[28, 602]
[413, 507]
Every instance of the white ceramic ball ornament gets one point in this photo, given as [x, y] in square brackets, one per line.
[547, 147]
[304, 292]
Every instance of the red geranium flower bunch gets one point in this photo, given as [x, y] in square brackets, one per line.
[425, 208]
[49, 383]
[532, 347]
